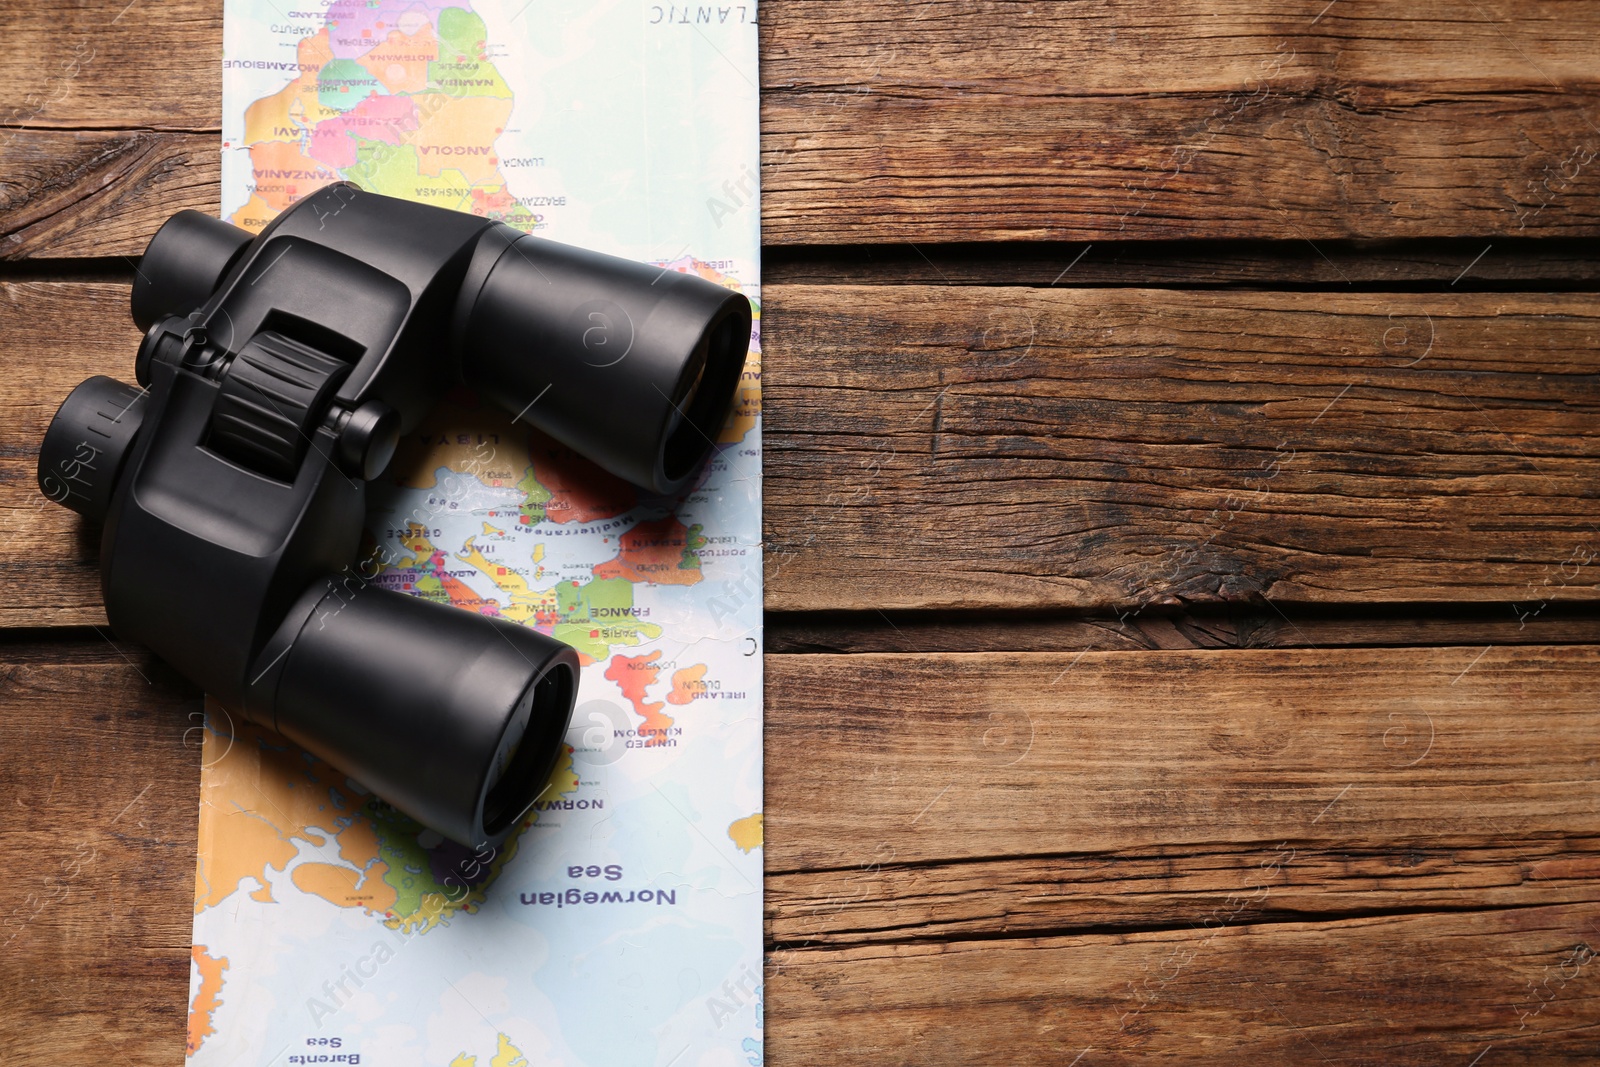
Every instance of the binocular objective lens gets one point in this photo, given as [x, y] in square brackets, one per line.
[713, 377]
[529, 752]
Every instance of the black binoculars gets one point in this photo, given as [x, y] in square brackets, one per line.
[276, 375]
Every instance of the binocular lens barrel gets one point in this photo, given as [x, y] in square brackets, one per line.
[453, 717]
[184, 264]
[632, 365]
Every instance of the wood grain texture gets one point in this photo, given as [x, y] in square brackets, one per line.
[113, 65]
[1044, 449]
[969, 121]
[96, 861]
[93, 193]
[1163, 951]
[1425, 989]
[49, 559]
[110, 123]
[887, 902]
[1021, 448]
[1199, 119]
[975, 755]
[967, 757]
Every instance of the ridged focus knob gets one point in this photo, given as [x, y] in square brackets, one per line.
[270, 403]
[86, 443]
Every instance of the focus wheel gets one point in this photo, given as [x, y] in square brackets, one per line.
[86, 443]
[271, 401]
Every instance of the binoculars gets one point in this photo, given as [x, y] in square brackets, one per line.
[276, 375]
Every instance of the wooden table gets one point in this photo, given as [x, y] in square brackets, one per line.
[1183, 625]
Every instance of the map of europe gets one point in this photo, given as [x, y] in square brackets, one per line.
[621, 922]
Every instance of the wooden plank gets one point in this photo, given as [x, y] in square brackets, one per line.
[1517, 985]
[905, 163]
[113, 64]
[93, 193]
[939, 448]
[961, 757]
[112, 123]
[988, 121]
[955, 448]
[96, 861]
[921, 751]
[1034, 763]
[1497, 817]
[49, 558]
[1208, 118]
[1040, 895]
[109, 64]
[101, 864]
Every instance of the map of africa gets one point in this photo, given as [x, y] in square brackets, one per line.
[621, 922]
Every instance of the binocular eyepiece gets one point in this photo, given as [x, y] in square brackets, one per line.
[276, 375]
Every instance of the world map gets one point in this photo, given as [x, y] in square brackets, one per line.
[621, 922]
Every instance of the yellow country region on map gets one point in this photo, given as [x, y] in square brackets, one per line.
[347, 888]
[506, 1055]
[479, 441]
[563, 781]
[361, 885]
[525, 603]
[435, 584]
[283, 175]
[255, 214]
[294, 107]
[400, 62]
[747, 833]
[415, 541]
[459, 133]
[258, 796]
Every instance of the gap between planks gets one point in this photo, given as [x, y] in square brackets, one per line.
[1402, 265]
